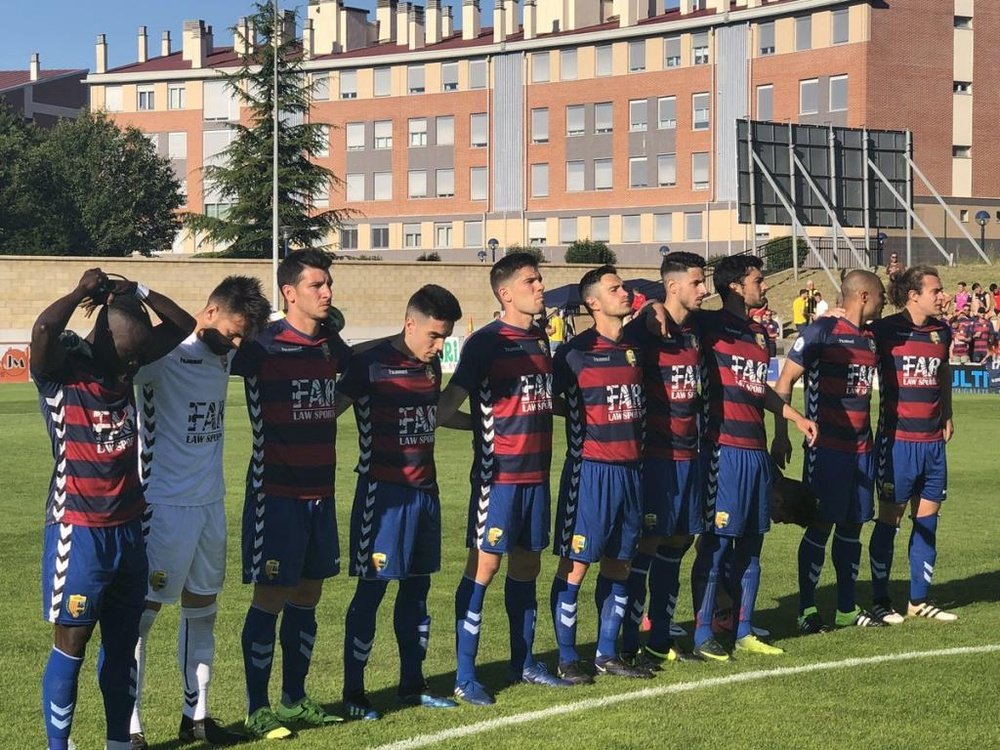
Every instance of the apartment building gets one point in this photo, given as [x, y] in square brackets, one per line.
[43, 96]
[608, 119]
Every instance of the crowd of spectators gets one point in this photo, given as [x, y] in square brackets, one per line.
[974, 321]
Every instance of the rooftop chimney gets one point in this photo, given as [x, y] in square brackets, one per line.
[510, 16]
[165, 44]
[287, 26]
[530, 22]
[241, 37]
[433, 22]
[308, 39]
[499, 23]
[470, 19]
[34, 66]
[385, 19]
[626, 12]
[143, 45]
[403, 24]
[416, 22]
[102, 55]
[324, 27]
[197, 42]
[447, 23]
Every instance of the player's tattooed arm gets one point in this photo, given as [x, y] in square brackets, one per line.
[448, 415]
[947, 423]
[46, 354]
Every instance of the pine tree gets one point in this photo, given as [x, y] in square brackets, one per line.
[244, 178]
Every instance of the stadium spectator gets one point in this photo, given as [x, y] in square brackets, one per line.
[555, 328]
[982, 301]
[961, 325]
[894, 267]
[773, 328]
[799, 318]
[822, 307]
[981, 334]
[810, 301]
[995, 291]
[962, 297]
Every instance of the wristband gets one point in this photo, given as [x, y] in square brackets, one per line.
[141, 290]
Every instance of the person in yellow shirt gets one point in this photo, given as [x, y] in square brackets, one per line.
[799, 319]
[556, 330]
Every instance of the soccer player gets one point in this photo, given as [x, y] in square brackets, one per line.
[182, 400]
[289, 525]
[94, 561]
[396, 519]
[837, 357]
[599, 513]
[739, 471]
[673, 492]
[915, 422]
[506, 373]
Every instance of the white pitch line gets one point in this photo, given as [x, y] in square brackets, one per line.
[425, 740]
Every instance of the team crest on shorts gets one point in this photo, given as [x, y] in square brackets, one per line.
[630, 357]
[76, 605]
[494, 535]
[379, 560]
[579, 543]
[935, 337]
[157, 579]
[721, 519]
[271, 568]
[649, 520]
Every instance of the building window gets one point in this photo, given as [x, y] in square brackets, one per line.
[539, 180]
[479, 183]
[321, 87]
[321, 198]
[477, 74]
[961, 152]
[603, 179]
[603, 55]
[175, 96]
[666, 112]
[473, 234]
[479, 128]
[841, 23]
[567, 230]
[348, 84]
[383, 186]
[355, 136]
[539, 67]
[380, 236]
[663, 227]
[765, 42]
[349, 238]
[637, 56]
[177, 145]
[963, 22]
[444, 180]
[383, 134]
[442, 234]
[809, 96]
[631, 228]
[415, 79]
[638, 114]
[417, 128]
[803, 33]
[537, 232]
[575, 120]
[323, 141]
[699, 108]
[417, 183]
[962, 87]
[220, 103]
[355, 187]
[567, 65]
[838, 93]
[604, 117]
[445, 131]
[145, 99]
[699, 171]
[600, 228]
[699, 48]
[666, 170]
[540, 125]
[637, 172]
[692, 226]
[672, 52]
[411, 235]
[383, 81]
[449, 76]
[765, 102]
[574, 177]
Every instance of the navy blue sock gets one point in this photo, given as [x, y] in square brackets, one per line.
[611, 598]
[664, 584]
[636, 591]
[469, 600]
[705, 574]
[812, 553]
[359, 632]
[413, 631]
[846, 556]
[746, 565]
[563, 601]
[116, 673]
[923, 555]
[521, 601]
[880, 550]
[727, 578]
[59, 684]
[298, 636]
[258, 655]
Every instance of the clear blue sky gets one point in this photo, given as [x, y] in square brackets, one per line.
[63, 32]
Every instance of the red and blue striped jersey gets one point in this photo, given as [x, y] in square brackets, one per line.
[671, 368]
[90, 418]
[734, 380]
[910, 360]
[601, 381]
[961, 334]
[395, 406]
[290, 380]
[981, 334]
[507, 372]
[840, 364]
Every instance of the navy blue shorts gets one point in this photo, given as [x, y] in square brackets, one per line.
[87, 570]
[395, 531]
[843, 482]
[909, 469]
[504, 516]
[599, 513]
[738, 496]
[673, 497]
[286, 539]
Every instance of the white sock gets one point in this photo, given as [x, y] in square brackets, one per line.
[195, 654]
[145, 623]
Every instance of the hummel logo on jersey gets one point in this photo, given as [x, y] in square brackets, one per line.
[604, 358]
[289, 349]
[186, 361]
[512, 349]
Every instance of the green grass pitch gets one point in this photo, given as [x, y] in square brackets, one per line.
[940, 701]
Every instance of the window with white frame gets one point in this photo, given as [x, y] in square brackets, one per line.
[214, 145]
[809, 96]
[477, 74]
[417, 183]
[637, 172]
[604, 117]
[442, 234]
[567, 64]
[692, 226]
[479, 183]
[699, 48]
[603, 60]
[380, 236]
[417, 130]
[449, 76]
[603, 179]
[411, 235]
[567, 230]
[666, 170]
[699, 112]
[220, 103]
[323, 141]
[666, 112]
[355, 187]
[803, 33]
[631, 228]
[320, 87]
[479, 129]
[663, 227]
[539, 180]
[473, 231]
[415, 79]
[637, 56]
[537, 232]
[445, 183]
[540, 125]
[348, 84]
[145, 98]
[383, 186]
[177, 145]
[321, 198]
[445, 130]
[638, 115]
[672, 52]
[383, 81]
[355, 136]
[348, 237]
[600, 228]
[765, 39]
[575, 120]
[539, 67]
[765, 102]
[700, 173]
[175, 96]
[840, 26]
[838, 93]
[383, 134]
[575, 181]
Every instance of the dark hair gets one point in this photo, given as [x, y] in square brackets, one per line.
[732, 270]
[803, 291]
[911, 280]
[290, 269]
[680, 262]
[507, 266]
[591, 278]
[243, 295]
[962, 283]
[993, 287]
[435, 302]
